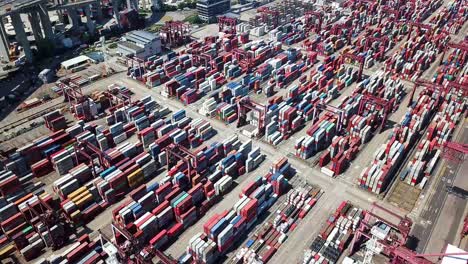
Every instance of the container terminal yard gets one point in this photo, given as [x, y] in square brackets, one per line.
[280, 132]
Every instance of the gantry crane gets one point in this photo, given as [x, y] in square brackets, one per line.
[227, 24]
[49, 217]
[456, 152]
[339, 29]
[177, 152]
[73, 94]
[359, 59]
[386, 106]
[175, 33]
[339, 113]
[463, 46]
[428, 85]
[85, 148]
[131, 250]
[389, 11]
[383, 44]
[420, 26]
[243, 58]
[268, 14]
[310, 20]
[244, 105]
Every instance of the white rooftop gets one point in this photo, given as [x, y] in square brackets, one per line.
[456, 259]
[69, 63]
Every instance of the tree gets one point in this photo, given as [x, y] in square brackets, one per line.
[193, 19]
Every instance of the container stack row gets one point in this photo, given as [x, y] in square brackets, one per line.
[389, 156]
[335, 235]
[221, 231]
[263, 245]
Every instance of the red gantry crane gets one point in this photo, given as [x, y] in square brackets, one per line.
[130, 249]
[177, 152]
[243, 58]
[428, 85]
[244, 105]
[175, 33]
[463, 46]
[383, 105]
[420, 26]
[268, 14]
[340, 29]
[227, 24]
[383, 44]
[73, 94]
[389, 11]
[311, 18]
[359, 59]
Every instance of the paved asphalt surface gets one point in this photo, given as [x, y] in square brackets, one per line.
[430, 215]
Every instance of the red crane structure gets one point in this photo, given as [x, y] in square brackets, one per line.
[393, 245]
[175, 33]
[73, 94]
[359, 59]
[340, 29]
[244, 105]
[42, 212]
[243, 58]
[310, 20]
[267, 14]
[177, 152]
[331, 110]
[135, 61]
[90, 152]
[463, 45]
[131, 250]
[455, 152]
[386, 106]
[387, 10]
[463, 88]
[383, 44]
[420, 26]
[227, 24]
[429, 85]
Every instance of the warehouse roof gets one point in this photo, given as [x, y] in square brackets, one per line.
[77, 60]
[140, 36]
[130, 45]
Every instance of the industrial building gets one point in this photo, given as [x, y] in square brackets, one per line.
[141, 44]
[209, 9]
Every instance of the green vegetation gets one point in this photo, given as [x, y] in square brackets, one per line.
[192, 4]
[166, 8]
[194, 19]
[112, 46]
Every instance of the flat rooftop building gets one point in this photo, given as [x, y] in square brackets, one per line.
[209, 9]
[139, 43]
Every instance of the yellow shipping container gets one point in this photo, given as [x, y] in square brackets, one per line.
[75, 215]
[79, 197]
[77, 192]
[7, 250]
[83, 201]
[136, 181]
[136, 173]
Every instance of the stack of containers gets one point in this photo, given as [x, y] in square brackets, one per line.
[388, 157]
[335, 235]
[428, 151]
[416, 55]
[221, 231]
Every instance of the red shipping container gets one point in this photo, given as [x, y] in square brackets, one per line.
[175, 230]
[78, 252]
[160, 208]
